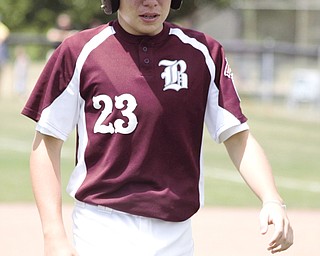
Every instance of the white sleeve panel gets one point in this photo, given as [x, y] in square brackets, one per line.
[60, 118]
[232, 131]
[220, 122]
[62, 115]
[45, 131]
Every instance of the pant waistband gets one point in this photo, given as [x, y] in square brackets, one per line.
[100, 208]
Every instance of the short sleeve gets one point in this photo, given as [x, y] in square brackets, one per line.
[54, 101]
[224, 116]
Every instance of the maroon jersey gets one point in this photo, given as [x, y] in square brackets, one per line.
[139, 104]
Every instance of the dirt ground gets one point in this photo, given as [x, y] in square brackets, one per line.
[217, 231]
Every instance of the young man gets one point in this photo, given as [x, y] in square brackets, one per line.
[139, 90]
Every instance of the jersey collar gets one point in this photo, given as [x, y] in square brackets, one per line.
[123, 35]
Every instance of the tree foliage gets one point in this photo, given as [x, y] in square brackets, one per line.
[40, 15]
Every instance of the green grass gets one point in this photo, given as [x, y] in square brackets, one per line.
[16, 135]
[291, 139]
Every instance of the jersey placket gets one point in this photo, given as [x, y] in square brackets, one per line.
[146, 58]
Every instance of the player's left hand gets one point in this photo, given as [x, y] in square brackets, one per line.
[282, 238]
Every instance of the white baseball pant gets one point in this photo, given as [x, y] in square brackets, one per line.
[101, 231]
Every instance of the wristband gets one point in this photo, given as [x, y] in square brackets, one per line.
[274, 202]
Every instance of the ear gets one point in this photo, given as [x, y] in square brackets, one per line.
[176, 4]
[110, 6]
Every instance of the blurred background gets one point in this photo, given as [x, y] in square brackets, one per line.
[273, 47]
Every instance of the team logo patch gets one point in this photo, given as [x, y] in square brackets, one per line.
[228, 71]
[174, 74]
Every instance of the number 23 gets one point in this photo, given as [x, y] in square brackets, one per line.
[117, 126]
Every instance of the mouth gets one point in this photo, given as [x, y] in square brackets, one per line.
[149, 16]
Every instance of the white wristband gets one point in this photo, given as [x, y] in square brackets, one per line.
[274, 202]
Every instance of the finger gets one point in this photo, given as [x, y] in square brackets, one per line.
[280, 248]
[264, 222]
[291, 236]
[277, 239]
[288, 233]
[284, 242]
[288, 237]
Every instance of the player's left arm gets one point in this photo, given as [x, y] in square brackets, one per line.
[250, 160]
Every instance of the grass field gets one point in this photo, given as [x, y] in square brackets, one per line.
[291, 139]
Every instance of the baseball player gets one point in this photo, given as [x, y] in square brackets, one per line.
[138, 90]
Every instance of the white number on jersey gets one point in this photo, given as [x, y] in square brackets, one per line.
[117, 126]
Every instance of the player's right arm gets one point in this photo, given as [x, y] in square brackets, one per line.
[46, 183]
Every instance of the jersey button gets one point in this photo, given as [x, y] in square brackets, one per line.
[145, 48]
[146, 61]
